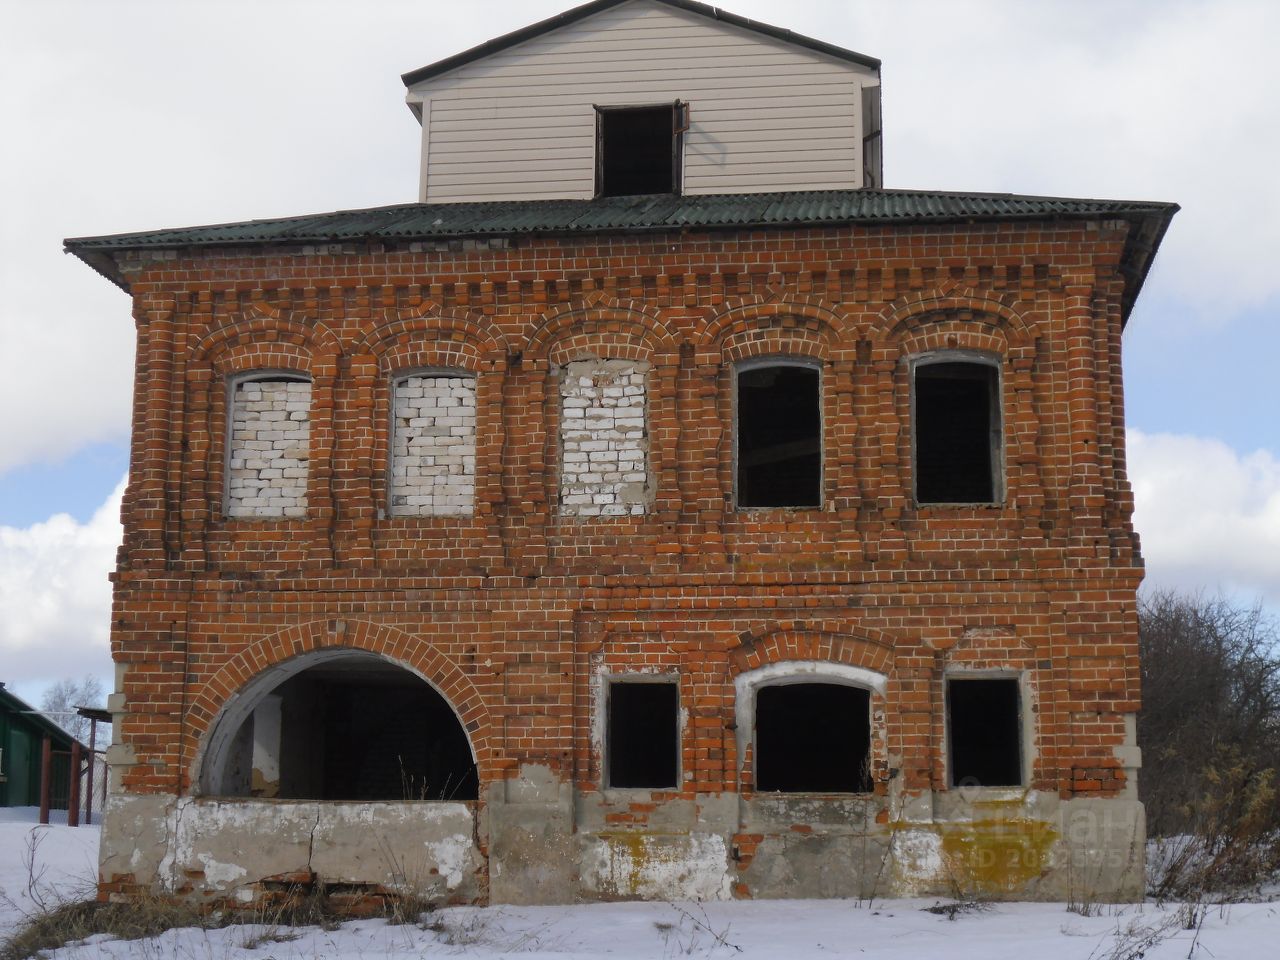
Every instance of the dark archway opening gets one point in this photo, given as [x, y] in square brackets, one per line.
[352, 727]
[813, 738]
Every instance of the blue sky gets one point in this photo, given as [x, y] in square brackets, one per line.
[141, 114]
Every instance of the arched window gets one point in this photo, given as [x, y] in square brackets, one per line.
[268, 445]
[810, 726]
[958, 451]
[777, 422]
[433, 444]
[339, 725]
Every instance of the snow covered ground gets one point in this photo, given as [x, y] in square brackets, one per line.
[65, 865]
[767, 930]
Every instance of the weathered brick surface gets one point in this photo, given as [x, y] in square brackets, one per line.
[512, 607]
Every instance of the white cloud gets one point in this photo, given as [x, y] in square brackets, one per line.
[1209, 517]
[1162, 100]
[113, 126]
[55, 600]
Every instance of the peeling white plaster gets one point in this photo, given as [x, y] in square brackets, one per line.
[658, 867]
[918, 855]
[452, 856]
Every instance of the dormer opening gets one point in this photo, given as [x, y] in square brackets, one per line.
[638, 149]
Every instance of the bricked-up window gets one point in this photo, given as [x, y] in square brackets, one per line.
[603, 439]
[642, 735]
[433, 445]
[957, 435]
[354, 727]
[778, 435]
[268, 446]
[984, 730]
[638, 149]
[813, 738]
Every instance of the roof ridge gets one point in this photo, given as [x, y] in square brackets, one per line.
[567, 17]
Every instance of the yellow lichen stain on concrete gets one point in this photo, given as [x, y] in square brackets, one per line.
[996, 857]
[628, 857]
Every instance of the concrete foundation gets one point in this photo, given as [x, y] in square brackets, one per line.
[536, 840]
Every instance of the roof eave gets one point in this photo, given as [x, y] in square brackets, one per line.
[1148, 224]
[568, 17]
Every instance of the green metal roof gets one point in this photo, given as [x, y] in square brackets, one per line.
[10, 702]
[665, 212]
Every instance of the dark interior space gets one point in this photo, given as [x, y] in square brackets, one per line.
[779, 432]
[637, 151]
[357, 729]
[956, 433]
[813, 738]
[985, 731]
[643, 738]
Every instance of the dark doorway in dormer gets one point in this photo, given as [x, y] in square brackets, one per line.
[638, 150]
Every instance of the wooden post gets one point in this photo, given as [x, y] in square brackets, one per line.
[73, 799]
[46, 769]
[88, 795]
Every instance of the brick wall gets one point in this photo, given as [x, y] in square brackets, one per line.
[512, 606]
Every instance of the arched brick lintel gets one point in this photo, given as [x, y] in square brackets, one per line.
[260, 324]
[834, 642]
[904, 321]
[786, 324]
[458, 337]
[414, 653]
[575, 325]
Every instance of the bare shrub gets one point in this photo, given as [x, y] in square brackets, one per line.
[1210, 735]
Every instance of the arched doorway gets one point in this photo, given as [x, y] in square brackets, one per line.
[339, 724]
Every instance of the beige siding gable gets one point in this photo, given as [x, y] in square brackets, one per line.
[765, 114]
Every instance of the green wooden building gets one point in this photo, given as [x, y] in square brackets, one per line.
[22, 733]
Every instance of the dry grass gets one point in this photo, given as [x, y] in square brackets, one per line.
[141, 917]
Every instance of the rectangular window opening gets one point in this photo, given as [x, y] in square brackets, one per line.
[813, 738]
[637, 150]
[779, 437]
[984, 723]
[642, 742]
[957, 433]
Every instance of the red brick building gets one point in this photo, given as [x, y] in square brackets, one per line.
[674, 542]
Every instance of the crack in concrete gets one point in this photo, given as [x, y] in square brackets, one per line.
[173, 835]
[311, 844]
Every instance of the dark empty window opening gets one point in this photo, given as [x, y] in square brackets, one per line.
[813, 738]
[643, 736]
[779, 437]
[351, 728]
[637, 150]
[984, 723]
[957, 433]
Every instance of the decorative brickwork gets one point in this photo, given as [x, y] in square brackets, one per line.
[269, 448]
[516, 583]
[433, 453]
